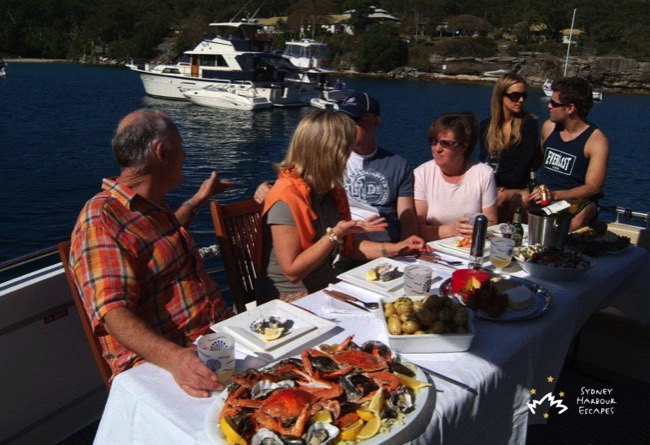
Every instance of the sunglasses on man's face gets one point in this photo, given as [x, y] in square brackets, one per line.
[516, 96]
[444, 143]
[557, 104]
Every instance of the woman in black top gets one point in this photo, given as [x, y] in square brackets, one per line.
[509, 143]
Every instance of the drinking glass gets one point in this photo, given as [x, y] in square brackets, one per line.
[217, 352]
[501, 253]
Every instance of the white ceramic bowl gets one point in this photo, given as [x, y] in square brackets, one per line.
[428, 343]
[550, 273]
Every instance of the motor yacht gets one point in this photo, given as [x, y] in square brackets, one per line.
[238, 95]
[235, 51]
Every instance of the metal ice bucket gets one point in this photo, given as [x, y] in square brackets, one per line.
[547, 230]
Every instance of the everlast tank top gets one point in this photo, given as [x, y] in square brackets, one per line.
[564, 165]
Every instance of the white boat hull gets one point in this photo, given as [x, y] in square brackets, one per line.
[50, 384]
[167, 86]
[229, 96]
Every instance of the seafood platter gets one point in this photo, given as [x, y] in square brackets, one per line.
[334, 394]
[457, 246]
[382, 275]
[589, 241]
[275, 328]
[552, 263]
[497, 297]
[427, 324]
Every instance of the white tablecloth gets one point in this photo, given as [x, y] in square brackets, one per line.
[505, 361]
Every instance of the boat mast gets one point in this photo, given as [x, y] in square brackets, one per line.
[566, 62]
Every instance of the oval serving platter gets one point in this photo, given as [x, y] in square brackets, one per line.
[541, 305]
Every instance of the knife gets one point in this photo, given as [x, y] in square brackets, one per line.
[337, 297]
[449, 379]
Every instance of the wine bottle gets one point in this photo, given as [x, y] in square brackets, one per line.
[518, 235]
[532, 182]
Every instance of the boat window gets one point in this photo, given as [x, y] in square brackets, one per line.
[208, 60]
[171, 71]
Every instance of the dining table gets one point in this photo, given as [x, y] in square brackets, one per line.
[481, 395]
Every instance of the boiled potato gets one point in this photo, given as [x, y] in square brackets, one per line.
[395, 326]
[411, 326]
[389, 309]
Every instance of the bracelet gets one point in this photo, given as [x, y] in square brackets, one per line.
[384, 251]
[332, 236]
[192, 207]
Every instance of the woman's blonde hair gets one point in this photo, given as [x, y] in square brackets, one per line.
[320, 148]
[495, 139]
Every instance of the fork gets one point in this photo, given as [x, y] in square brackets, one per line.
[436, 259]
[342, 296]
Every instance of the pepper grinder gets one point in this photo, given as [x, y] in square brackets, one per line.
[479, 233]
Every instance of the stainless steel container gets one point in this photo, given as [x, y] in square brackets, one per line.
[547, 230]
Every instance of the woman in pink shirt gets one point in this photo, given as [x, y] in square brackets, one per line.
[453, 185]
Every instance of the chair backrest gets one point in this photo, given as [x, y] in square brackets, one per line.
[95, 346]
[239, 233]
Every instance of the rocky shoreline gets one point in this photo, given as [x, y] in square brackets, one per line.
[610, 74]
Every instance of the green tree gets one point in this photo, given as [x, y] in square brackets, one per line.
[381, 49]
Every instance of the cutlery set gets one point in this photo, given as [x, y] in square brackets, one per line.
[349, 299]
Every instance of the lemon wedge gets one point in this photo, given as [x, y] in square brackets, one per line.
[229, 431]
[410, 382]
[370, 429]
[376, 404]
[271, 334]
[351, 432]
[372, 274]
[321, 416]
[364, 412]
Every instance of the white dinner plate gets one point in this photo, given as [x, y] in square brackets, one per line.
[413, 426]
[358, 276]
[306, 327]
[449, 247]
[299, 328]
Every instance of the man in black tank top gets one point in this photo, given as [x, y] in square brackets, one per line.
[575, 152]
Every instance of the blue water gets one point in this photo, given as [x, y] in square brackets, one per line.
[56, 123]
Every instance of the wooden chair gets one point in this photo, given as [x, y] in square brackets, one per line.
[95, 346]
[239, 233]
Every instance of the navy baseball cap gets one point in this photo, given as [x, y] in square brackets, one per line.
[358, 104]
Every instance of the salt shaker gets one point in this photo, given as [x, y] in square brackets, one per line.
[478, 242]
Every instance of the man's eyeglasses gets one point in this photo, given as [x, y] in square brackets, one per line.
[444, 143]
[515, 96]
[557, 104]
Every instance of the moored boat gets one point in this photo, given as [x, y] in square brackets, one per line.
[330, 98]
[237, 51]
[3, 68]
[233, 95]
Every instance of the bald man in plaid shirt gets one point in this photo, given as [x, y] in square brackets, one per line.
[135, 264]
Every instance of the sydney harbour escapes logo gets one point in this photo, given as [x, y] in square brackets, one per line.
[588, 401]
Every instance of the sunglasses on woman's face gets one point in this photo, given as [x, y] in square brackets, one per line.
[444, 143]
[516, 96]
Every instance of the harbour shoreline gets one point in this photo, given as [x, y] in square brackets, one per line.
[403, 73]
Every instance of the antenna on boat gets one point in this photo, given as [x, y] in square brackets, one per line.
[240, 11]
[258, 9]
[566, 63]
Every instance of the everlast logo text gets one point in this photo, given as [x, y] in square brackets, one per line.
[559, 161]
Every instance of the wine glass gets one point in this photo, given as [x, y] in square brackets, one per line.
[501, 253]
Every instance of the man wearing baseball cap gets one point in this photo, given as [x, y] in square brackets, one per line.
[377, 180]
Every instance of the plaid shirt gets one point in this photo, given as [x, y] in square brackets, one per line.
[128, 252]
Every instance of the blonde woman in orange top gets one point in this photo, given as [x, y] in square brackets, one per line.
[307, 214]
